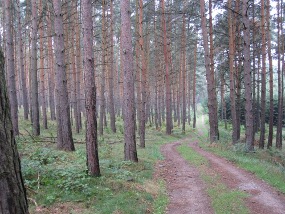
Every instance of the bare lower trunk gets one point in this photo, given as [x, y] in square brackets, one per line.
[64, 134]
[183, 70]
[90, 91]
[42, 71]
[247, 79]
[143, 77]
[130, 150]
[13, 194]
[212, 97]
[21, 65]
[263, 80]
[11, 79]
[280, 80]
[111, 75]
[167, 80]
[194, 85]
[271, 107]
[102, 90]
[232, 76]
[34, 76]
[51, 80]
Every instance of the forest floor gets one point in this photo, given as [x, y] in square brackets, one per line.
[195, 185]
[175, 174]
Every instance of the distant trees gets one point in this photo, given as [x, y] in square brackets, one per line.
[50, 73]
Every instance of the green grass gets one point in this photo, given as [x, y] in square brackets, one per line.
[224, 200]
[54, 177]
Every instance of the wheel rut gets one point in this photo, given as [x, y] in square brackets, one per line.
[263, 199]
[186, 190]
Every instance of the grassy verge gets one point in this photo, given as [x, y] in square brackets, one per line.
[59, 180]
[268, 165]
[224, 200]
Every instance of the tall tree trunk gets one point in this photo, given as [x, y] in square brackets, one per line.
[64, 134]
[223, 103]
[102, 90]
[51, 80]
[21, 64]
[111, 74]
[74, 70]
[11, 79]
[212, 97]
[90, 91]
[42, 69]
[194, 85]
[143, 77]
[156, 75]
[13, 193]
[78, 73]
[34, 76]
[167, 81]
[130, 150]
[280, 78]
[263, 79]
[183, 70]
[232, 80]
[271, 107]
[247, 79]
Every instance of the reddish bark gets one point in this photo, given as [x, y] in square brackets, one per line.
[130, 150]
[90, 91]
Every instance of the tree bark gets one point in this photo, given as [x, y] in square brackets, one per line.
[143, 77]
[13, 194]
[64, 134]
[280, 79]
[194, 85]
[42, 70]
[102, 90]
[90, 91]
[247, 79]
[78, 74]
[34, 76]
[212, 97]
[11, 79]
[51, 80]
[130, 150]
[232, 80]
[111, 74]
[183, 70]
[167, 81]
[21, 65]
[271, 107]
[263, 80]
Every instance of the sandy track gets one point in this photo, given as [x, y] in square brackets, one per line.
[185, 188]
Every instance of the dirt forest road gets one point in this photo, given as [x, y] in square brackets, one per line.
[187, 191]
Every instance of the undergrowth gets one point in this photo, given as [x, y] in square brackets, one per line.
[54, 177]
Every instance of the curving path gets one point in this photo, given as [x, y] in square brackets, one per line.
[187, 191]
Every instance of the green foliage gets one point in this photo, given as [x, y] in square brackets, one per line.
[53, 177]
[242, 110]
